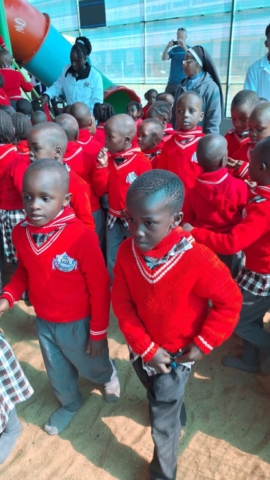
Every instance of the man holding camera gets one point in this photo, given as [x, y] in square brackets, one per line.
[176, 55]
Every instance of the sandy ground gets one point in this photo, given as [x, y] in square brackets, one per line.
[226, 437]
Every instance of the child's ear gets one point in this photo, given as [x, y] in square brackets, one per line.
[178, 217]
[263, 166]
[201, 116]
[266, 44]
[67, 199]
[224, 161]
[127, 139]
[58, 153]
[77, 135]
[156, 139]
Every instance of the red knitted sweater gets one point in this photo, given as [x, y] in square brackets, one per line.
[234, 141]
[14, 82]
[216, 201]
[168, 307]
[66, 277]
[252, 234]
[179, 156]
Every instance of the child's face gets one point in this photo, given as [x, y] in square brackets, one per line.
[151, 97]
[146, 136]
[240, 115]
[259, 126]
[188, 112]
[149, 220]
[115, 140]
[133, 112]
[40, 147]
[43, 198]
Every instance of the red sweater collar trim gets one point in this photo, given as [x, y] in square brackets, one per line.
[262, 191]
[84, 136]
[213, 178]
[66, 216]
[155, 149]
[173, 238]
[73, 148]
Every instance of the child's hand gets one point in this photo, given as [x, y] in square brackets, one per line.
[102, 158]
[192, 353]
[187, 227]
[96, 347]
[4, 305]
[160, 361]
[231, 163]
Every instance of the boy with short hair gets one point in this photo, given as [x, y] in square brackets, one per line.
[48, 140]
[241, 107]
[169, 331]
[68, 287]
[14, 389]
[217, 199]
[179, 153]
[259, 128]
[252, 235]
[150, 139]
[38, 117]
[117, 169]
[24, 106]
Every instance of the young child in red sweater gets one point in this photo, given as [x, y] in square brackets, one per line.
[179, 153]
[102, 112]
[252, 235]
[13, 80]
[48, 140]
[163, 283]
[259, 128]
[4, 100]
[54, 260]
[241, 107]
[117, 169]
[150, 139]
[217, 199]
[11, 206]
[91, 147]
[150, 96]
[161, 111]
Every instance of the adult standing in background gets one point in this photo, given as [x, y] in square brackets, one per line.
[202, 77]
[79, 80]
[176, 55]
[258, 74]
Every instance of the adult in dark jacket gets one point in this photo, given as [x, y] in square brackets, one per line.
[202, 77]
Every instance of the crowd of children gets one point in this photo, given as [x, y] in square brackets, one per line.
[188, 205]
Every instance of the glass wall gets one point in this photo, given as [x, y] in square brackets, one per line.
[129, 49]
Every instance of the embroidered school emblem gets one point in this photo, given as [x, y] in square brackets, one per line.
[86, 84]
[64, 263]
[131, 177]
[194, 158]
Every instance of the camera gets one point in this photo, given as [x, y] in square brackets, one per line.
[175, 42]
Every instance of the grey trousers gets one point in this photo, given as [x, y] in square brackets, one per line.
[100, 227]
[165, 394]
[114, 237]
[10, 435]
[63, 347]
[250, 327]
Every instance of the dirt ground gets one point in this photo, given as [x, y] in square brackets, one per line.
[227, 436]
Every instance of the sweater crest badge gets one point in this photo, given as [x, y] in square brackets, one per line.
[64, 263]
[131, 177]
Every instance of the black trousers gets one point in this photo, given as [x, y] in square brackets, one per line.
[165, 394]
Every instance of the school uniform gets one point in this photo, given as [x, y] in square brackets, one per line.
[244, 151]
[154, 153]
[100, 135]
[22, 148]
[14, 82]
[66, 286]
[216, 202]
[11, 206]
[252, 235]
[145, 110]
[188, 275]
[123, 169]
[14, 389]
[80, 199]
[235, 141]
[179, 156]
[4, 100]
[92, 147]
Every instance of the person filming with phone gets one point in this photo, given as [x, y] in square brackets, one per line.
[175, 51]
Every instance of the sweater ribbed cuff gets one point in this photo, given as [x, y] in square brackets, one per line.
[96, 336]
[203, 345]
[149, 353]
[9, 297]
